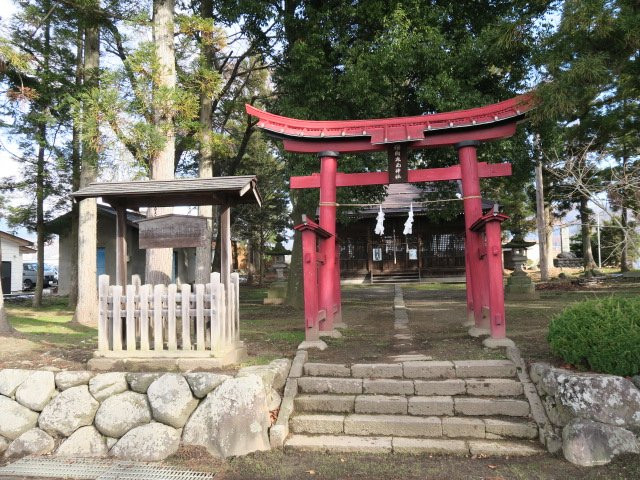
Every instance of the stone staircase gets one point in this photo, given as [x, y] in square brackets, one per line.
[472, 407]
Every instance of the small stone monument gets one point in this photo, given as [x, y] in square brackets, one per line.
[519, 284]
[279, 265]
[278, 290]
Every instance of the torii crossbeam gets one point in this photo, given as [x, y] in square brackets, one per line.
[463, 129]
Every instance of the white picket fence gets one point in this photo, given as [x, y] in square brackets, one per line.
[172, 320]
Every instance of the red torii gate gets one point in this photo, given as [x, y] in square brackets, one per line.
[463, 129]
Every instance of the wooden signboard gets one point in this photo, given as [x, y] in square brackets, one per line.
[398, 172]
[173, 231]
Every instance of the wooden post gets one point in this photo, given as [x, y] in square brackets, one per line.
[145, 293]
[121, 245]
[158, 337]
[225, 247]
[116, 317]
[130, 316]
[496, 282]
[337, 293]
[185, 305]
[216, 319]
[172, 337]
[472, 212]
[328, 171]
[310, 280]
[103, 309]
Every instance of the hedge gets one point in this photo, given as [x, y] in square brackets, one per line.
[602, 335]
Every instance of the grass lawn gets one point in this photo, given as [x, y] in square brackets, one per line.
[52, 323]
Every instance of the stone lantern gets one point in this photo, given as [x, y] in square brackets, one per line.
[519, 284]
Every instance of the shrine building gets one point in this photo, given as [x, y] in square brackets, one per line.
[434, 249]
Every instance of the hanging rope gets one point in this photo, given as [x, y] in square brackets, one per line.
[394, 205]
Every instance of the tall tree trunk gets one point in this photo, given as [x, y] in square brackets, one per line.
[205, 167]
[585, 219]
[75, 181]
[295, 287]
[624, 219]
[87, 309]
[42, 145]
[40, 233]
[542, 224]
[624, 222]
[5, 326]
[160, 260]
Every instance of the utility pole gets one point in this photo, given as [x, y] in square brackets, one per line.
[541, 222]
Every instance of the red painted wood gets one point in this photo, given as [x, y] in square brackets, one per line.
[498, 325]
[392, 130]
[327, 277]
[472, 211]
[432, 140]
[313, 226]
[485, 170]
[337, 294]
[310, 283]
[469, 283]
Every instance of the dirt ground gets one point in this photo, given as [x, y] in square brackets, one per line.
[277, 465]
[436, 313]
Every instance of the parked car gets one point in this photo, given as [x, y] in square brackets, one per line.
[29, 273]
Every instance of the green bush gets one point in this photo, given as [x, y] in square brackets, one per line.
[602, 334]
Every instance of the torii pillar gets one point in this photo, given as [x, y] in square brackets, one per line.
[477, 289]
[329, 274]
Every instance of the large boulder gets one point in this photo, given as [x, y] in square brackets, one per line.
[588, 443]
[84, 442]
[106, 384]
[171, 400]
[122, 412]
[149, 443]
[603, 398]
[3, 444]
[68, 411]
[15, 419]
[273, 375]
[36, 391]
[72, 378]
[232, 420]
[11, 379]
[139, 382]
[31, 442]
[202, 383]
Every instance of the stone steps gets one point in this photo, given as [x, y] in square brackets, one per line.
[472, 407]
[389, 444]
[494, 387]
[412, 426]
[422, 369]
[438, 405]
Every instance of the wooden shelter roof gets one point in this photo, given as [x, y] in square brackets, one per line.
[174, 193]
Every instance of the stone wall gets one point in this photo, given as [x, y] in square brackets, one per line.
[597, 416]
[138, 416]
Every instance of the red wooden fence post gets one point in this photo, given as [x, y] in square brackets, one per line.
[310, 279]
[490, 225]
[311, 234]
[337, 319]
[472, 212]
[327, 278]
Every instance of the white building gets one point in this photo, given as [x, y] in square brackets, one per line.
[12, 250]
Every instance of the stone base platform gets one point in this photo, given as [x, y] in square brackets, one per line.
[164, 361]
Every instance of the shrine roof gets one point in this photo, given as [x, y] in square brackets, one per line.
[393, 130]
[178, 192]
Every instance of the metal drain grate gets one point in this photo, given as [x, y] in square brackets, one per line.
[97, 469]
